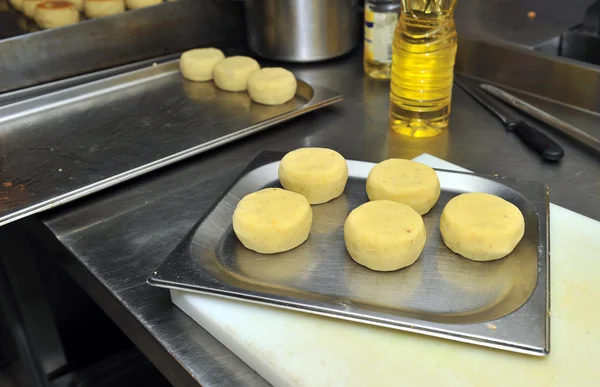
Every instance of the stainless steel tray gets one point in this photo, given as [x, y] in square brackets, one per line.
[67, 144]
[502, 304]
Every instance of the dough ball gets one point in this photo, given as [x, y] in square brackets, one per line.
[198, 64]
[272, 220]
[481, 227]
[232, 73]
[134, 4]
[320, 174]
[384, 235]
[29, 7]
[404, 181]
[54, 14]
[272, 86]
[101, 8]
[17, 4]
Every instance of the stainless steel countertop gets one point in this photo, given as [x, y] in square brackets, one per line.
[116, 238]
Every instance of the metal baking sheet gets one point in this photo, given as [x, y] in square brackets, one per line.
[64, 145]
[502, 304]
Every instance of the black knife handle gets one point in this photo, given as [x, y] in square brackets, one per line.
[538, 141]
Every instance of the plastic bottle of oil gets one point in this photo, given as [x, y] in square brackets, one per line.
[423, 58]
[381, 18]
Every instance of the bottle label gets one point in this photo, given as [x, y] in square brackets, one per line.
[379, 35]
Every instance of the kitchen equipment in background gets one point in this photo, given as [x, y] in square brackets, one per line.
[441, 295]
[381, 17]
[580, 42]
[302, 30]
[424, 52]
[564, 127]
[532, 137]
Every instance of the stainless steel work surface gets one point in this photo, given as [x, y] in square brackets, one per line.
[68, 144]
[441, 294]
[114, 239]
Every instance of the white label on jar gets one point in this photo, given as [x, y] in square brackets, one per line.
[384, 25]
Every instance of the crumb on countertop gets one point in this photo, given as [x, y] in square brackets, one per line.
[531, 15]
[492, 326]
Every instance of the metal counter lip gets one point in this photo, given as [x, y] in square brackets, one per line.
[184, 270]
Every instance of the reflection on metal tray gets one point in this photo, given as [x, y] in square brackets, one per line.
[64, 145]
[502, 304]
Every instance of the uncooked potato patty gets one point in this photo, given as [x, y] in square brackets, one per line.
[272, 86]
[320, 174]
[384, 235]
[272, 220]
[481, 226]
[232, 73]
[54, 14]
[29, 7]
[199, 64]
[404, 181]
[101, 8]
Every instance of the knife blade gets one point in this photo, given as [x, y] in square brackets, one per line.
[566, 128]
[547, 148]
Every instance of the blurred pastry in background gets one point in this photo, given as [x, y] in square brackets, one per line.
[134, 4]
[56, 13]
[77, 3]
[17, 4]
[101, 8]
[29, 7]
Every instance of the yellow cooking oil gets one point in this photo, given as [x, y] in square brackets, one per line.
[423, 55]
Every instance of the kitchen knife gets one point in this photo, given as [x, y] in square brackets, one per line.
[533, 138]
[564, 127]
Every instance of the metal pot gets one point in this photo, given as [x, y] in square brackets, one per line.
[302, 30]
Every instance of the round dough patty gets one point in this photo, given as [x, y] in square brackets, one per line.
[384, 235]
[232, 73]
[481, 227]
[272, 86]
[54, 14]
[320, 174]
[272, 220]
[198, 64]
[404, 181]
[101, 8]
[134, 4]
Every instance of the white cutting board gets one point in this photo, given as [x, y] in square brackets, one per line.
[290, 348]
